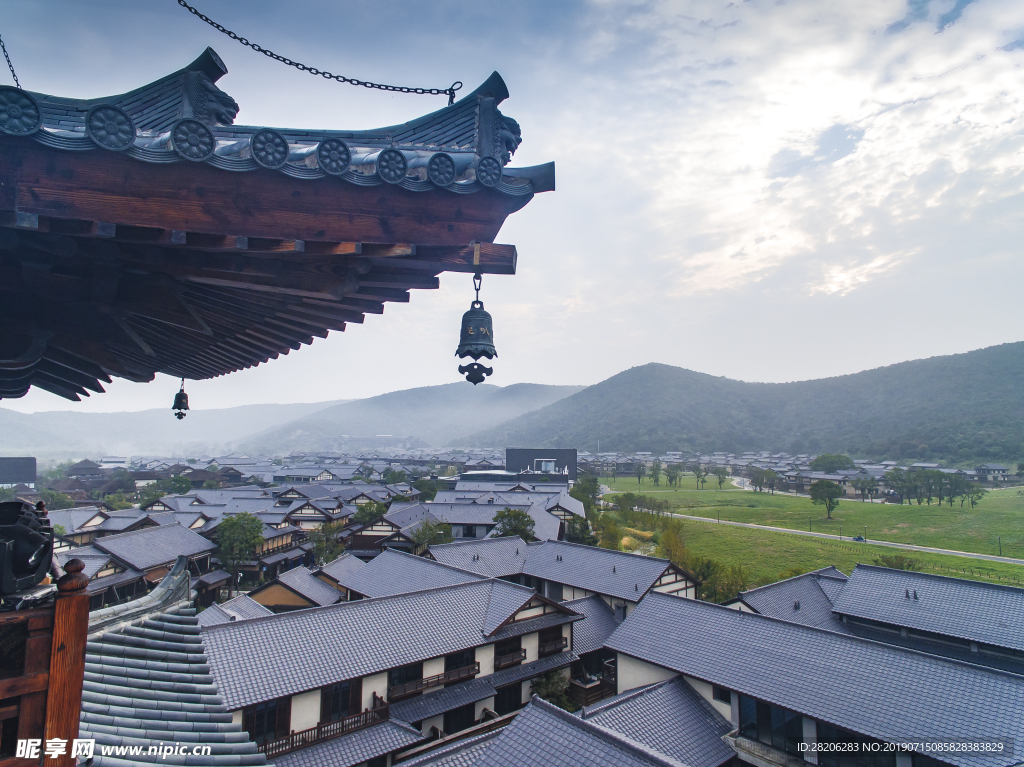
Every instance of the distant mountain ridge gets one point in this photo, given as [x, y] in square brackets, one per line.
[440, 416]
[65, 433]
[951, 407]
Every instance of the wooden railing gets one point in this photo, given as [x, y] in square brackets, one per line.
[586, 694]
[555, 645]
[504, 661]
[401, 690]
[326, 731]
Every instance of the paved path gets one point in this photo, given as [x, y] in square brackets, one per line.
[845, 538]
[849, 539]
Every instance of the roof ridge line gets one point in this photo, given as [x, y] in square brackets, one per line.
[852, 637]
[610, 551]
[1003, 586]
[607, 734]
[587, 711]
[811, 573]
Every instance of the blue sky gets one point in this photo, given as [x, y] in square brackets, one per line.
[768, 191]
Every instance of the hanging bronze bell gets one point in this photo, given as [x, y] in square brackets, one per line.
[477, 338]
[180, 402]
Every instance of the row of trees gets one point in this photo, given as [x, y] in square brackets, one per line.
[675, 472]
[927, 484]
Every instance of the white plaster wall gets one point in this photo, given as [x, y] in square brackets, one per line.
[530, 644]
[527, 691]
[305, 710]
[236, 718]
[485, 657]
[481, 705]
[434, 721]
[811, 737]
[567, 633]
[632, 673]
[707, 693]
[433, 667]
[378, 683]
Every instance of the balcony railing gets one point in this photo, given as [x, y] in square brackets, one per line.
[512, 659]
[555, 645]
[456, 675]
[326, 731]
[588, 693]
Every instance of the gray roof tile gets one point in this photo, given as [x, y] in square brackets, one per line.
[878, 690]
[498, 557]
[241, 608]
[970, 610]
[343, 567]
[153, 546]
[355, 639]
[780, 600]
[671, 718]
[598, 624]
[303, 581]
[395, 572]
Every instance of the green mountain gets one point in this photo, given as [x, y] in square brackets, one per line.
[436, 415]
[953, 408]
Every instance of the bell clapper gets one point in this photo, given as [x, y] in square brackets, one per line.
[180, 402]
[477, 339]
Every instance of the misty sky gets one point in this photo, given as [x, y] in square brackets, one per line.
[762, 190]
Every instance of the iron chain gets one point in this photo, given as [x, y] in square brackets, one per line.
[449, 91]
[11, 66]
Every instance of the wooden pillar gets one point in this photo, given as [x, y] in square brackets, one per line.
[67, 659]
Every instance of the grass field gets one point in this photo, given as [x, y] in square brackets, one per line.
[765, 555]
[999, 514]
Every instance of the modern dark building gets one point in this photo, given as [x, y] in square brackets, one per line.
[15, 471]
[541, 460]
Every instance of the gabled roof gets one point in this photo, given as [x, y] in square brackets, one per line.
[616, 573]
[241, 608]
[986, 613]
[303, 582]
[564, 740]
[354, 639]
[355, 748]
[669, 717]
[342, 568]
[491, 557]
[154, 546]
[597, 625]
[907, 695]
[395, 572]
[802, 599]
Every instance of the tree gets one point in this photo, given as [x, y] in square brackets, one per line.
[722, 474]
[160, 488]
[700, 472]
[118, 501]
[211, 484]
[897, 480]
[975, 494]
[326, 546]
[514, 522]
[238, 538]
[431, 532]
[827, 494]
[393, 477]
[369, 512]
[428, 488]
[587, 491]
[769, 478]
[671, 545]
[611, 535]
[577, 530]
[56, 500]
[640, 470]
[863, 485]
[656, 472]
[830, 463]
[897, 562]
[553, 687]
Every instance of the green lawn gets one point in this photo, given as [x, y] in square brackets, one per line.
[689, 482]
[766, 555]
[1000, 513]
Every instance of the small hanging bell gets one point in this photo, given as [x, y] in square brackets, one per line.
[180, 402]
[477, 338]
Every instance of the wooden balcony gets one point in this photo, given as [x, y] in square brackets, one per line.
[326, 731]
[417, 685]
[512, 659]
[550, 648]
[588, 693]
